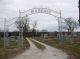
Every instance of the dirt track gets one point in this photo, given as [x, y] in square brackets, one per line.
[35, 53]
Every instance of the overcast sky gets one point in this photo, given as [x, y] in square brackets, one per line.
[10, 9]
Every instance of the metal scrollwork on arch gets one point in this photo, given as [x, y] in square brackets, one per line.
[41, 10]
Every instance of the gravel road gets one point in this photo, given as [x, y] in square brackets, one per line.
[35, 53]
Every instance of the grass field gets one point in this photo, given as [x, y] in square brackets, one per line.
[13, 50]
[1, 43]
[73, 49]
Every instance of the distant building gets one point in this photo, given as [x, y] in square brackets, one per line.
[45, 36]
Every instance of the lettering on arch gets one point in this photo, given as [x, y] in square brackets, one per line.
[43, 10]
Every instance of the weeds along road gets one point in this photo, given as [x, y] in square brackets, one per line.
[35, 53]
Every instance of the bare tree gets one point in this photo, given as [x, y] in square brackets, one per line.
[34, 28]
[34, 25]
[71, 24]
[23, 22]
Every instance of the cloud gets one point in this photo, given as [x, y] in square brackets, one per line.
[10, 8]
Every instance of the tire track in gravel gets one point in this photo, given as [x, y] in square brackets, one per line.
[35, 53]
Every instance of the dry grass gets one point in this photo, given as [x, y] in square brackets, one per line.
[13, 51]
[73, 49]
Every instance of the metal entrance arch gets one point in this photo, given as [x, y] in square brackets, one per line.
[23, 14]
[40, 10]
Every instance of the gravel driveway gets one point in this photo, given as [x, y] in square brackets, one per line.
[35, 53]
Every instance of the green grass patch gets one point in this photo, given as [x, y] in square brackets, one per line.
[39, 46]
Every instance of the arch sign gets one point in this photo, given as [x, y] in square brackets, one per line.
[40, 10]
[45, 11]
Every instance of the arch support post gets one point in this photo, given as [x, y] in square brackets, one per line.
[20, 39]
[6, 39]
[60, 27]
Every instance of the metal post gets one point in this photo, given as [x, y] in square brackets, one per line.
[19, 41]
[22, 35]
[20, 32]
[60, 26]
[6, 40]
[4, 33]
